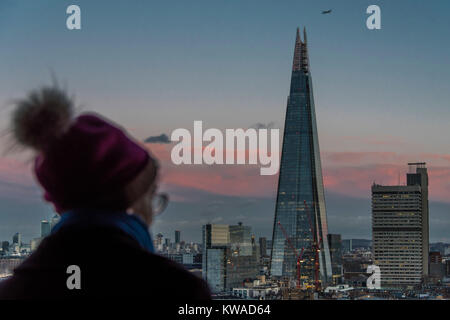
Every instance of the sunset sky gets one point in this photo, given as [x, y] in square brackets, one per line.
[382, 97]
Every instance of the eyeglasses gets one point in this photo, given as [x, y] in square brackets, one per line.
[159, 203]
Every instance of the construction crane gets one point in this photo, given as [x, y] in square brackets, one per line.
[315, 246]
[299, 256]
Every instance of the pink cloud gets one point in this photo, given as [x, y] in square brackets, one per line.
[232, 180]
[16, 179]
[349, 173]
[353, 173]
[15, 171]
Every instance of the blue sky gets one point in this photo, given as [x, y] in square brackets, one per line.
[154, 66]
[185, 59]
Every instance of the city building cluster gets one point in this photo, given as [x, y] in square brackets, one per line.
[237, 266]
[12, 253]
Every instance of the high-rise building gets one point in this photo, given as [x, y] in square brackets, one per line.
[269, 247]
[436, 267]
[17, 239]
[300, 215]
[347, 245]
[216, 247]
[158, 242]
[230, 256]
[400, 229]
[418, 176]
[241, 239]
[263, 246]
[5, 246]
[447, 268]
[45, 228]
[244, 256]
[177, 236]
[215, 267]
[335, 244]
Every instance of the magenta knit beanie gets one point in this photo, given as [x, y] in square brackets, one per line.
[81, 162]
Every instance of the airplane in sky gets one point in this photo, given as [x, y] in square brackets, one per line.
[327, 11]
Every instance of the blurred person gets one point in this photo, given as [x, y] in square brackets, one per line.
[104, 186]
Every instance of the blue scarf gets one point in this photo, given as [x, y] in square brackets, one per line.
[130, 224]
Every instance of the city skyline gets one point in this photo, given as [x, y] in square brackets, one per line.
[234, 61]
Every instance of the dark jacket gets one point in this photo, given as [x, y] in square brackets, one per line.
[112, 264]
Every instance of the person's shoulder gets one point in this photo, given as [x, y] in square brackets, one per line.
[174, 276]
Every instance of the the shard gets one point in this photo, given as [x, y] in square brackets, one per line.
[300, 252]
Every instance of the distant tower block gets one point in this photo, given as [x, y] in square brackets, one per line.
[400, 229]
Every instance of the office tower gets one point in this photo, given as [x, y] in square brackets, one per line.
[269, 247]
[45, 228]
[300, 216]
[436, 267]
[399, 220]
[215, 265]
[347, 245]
[447, 268]
[241, 239]
[216, 247]
[177, 236]
[418, 175]
[244, 256]
[158, 242]
[435, 257]
[17, 238]
[5, 246]
[335, 245]
[263, 246]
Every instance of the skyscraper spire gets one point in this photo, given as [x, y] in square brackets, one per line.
[300, 53]
[305, 60]
[296, 65]
[304, 35]
[300, 213]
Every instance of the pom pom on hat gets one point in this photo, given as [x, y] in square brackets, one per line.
[42, 117]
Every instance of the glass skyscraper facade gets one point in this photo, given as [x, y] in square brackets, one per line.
[230, 256]
[300, 217]
[216, 247]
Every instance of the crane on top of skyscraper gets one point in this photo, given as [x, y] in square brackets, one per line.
[299, 256]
